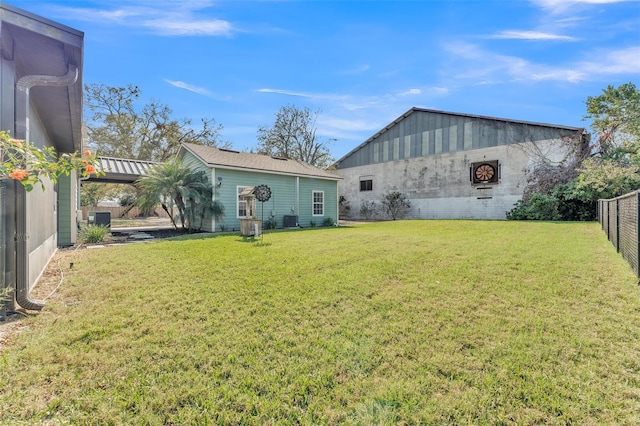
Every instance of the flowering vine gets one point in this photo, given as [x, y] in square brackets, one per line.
[30, 165]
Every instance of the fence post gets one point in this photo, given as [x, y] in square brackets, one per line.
[637, 233]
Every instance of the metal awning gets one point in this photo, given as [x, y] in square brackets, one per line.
[120, 170]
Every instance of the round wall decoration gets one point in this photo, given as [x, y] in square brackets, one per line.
[485, 172]
[262, 193]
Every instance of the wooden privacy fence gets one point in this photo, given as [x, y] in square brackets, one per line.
[116, 212]
[619, 219]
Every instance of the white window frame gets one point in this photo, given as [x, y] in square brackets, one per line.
[314, 203]
[239, 189]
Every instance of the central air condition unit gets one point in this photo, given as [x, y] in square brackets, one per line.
[99, 218]
[290, 221]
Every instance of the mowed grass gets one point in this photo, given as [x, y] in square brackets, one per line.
[408, 322]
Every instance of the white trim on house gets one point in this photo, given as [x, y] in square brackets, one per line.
[314, 203]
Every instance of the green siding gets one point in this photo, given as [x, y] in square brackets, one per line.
[307, 187]
[284, 197]
[66, 211]
[290, 195]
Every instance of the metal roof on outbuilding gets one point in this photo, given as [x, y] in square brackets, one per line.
[120, 170]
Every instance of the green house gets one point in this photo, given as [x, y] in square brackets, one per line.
[301, 194]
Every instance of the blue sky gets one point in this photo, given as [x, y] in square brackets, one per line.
[362, 64]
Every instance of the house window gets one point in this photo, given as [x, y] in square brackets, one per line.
[366, 185]
[242, 203]
[318, 203]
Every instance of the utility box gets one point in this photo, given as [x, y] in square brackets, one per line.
[99, 218]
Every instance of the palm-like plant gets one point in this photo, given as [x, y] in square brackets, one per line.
[173, 183]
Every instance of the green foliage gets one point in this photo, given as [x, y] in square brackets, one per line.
[328, 222]
[565, 202]
[270, 223]
[616, 121]
[127, 200]
[93, 233]
[368, 209]
[118, 127]
[344, 207]
[536, 207]
[31, 165]
[175, 184]
[575, 202]
[293, 135]
[312, 223]
[395, 204]
[608, 178]
[428, 322]
[615, 169]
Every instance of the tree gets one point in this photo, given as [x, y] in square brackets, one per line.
[614, 169]
[293, 135]
[395, 204]
[616, 121]
[119, 129]
[611, 166]
[174, 184]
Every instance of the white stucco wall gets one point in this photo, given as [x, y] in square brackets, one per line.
[439, 186]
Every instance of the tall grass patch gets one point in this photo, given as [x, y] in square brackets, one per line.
[416, 322]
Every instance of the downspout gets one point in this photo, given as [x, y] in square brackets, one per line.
[23, 86]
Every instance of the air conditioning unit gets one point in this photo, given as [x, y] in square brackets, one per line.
[99, 218]
[290, 221]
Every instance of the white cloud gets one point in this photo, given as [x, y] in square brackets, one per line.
[623, 61]
[285, 92]
[411, 92]
[308, 95]
[561, 6]
[182, 85]
[165, 18]
[357, 70]
[531, 35]
[487, 67]
[214, 27]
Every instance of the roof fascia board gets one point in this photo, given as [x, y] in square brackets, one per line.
[270, 172]
[40, 25]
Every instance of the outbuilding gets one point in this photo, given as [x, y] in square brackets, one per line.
[299, 194]
[452, 165]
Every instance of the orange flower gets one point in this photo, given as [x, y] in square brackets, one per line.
[18, 174]
[16, 142]
[87, 153]
[90, 169]
[85, 162]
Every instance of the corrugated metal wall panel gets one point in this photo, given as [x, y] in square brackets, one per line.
[430, 133]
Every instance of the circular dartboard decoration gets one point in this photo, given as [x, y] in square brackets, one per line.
[262, 193]
[485, 172]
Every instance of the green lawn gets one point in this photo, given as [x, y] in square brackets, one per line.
[409, 322]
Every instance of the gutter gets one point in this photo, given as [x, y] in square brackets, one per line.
[23, 86]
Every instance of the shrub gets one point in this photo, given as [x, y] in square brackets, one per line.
[368, 209]
[328, 222]
[344, 207]
[93, 233]
[395, 204]
[312, 224]
[270, 223]
[536, 207]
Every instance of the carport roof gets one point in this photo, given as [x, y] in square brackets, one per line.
[120, 170]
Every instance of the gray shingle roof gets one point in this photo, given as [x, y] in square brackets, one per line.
[229, 159]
